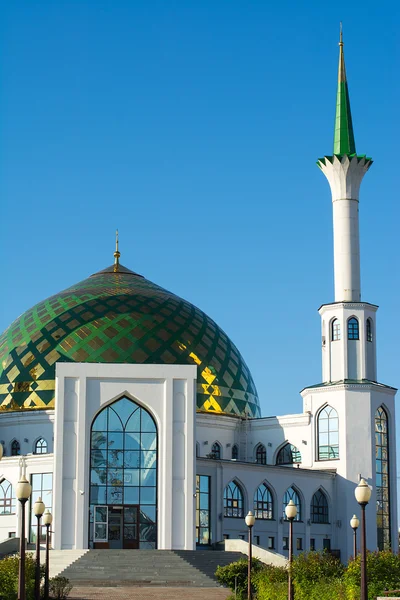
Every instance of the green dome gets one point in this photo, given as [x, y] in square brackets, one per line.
[118, 316]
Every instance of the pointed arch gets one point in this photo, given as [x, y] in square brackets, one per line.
[288, 454]
[369, 330]
[234, 500]
[8, 503]
[335, 332]
[263, 502]
[353, 328]
[293, 493]
[261, 454]
[216, 450]
[235, 452]
[40, 446]
[382, 480]
[15, 448]
[319, 509]
[327, 433]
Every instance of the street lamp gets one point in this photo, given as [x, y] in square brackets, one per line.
[250, 520]
[363, 495]
[47, 521]
[354, 523]
[23, 492]
[38, 510]
[291, 513]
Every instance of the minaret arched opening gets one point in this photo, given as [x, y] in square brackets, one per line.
[382, 479]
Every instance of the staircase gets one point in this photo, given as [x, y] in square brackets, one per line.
[59, 560]
[109, 568]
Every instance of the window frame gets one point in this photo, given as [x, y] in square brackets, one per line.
[368, 334]
[261, 454]
[216, 451]
[329, 432]
[353, 328]
[235, 451]
[288, 449]
[235, 494]
[15, 448]
[382, 469]
[43, 445]
[319, 508]
[7, 499]
[263, 502]
[335, 332]
[294, 495]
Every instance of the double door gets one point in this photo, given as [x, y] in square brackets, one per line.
[116, 527]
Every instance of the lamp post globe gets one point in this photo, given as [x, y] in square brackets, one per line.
[363, 492]
[47, 518]
[250, 519]
[354, 522]
[38, 508]
[24, 489]
[291, 510]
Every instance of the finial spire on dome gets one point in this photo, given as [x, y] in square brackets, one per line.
[117, 253]
[343, 142]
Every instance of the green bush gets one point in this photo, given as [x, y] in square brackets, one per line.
[59, 588]
[311, 567]
[9, 577]
[237, 572]
[383, 570]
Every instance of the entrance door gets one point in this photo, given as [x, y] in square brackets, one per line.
[131, 527]
[115, 528]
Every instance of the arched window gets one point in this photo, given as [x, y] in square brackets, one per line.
[352, 329]
[233, 500]
[261, 454]
[40, 446]
[288, 455]
[263, 503]
[382, 479]
[123, 473]
[319, 508]
[7, 499]
[328, 434]
[197, 449]
[369, 330]
[335, 330]
[216, 451]
[291, 494]
[15, 448]
[235, 451]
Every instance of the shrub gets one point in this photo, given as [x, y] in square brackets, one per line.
[312, 567]
[9, 577]
[383, 569]
[237, 572]
[59, 588]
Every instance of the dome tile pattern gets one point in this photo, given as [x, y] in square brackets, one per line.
[120, 317]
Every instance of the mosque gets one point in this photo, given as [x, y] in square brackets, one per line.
[137, 420]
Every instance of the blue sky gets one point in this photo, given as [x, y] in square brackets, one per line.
[194, 128]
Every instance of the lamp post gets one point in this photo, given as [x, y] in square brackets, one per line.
[38, 510]
[250, 520]
[47, 521]
[363, 495]
[23, 492]
[291, 513]
[1, 451]
[354, 523]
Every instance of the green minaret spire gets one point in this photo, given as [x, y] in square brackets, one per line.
[343, 142]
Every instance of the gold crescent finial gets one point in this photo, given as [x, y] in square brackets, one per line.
[117, 253]
[341, 34]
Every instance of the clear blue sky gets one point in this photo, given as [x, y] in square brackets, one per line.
[194, 128]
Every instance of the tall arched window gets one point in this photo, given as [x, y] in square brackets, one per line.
[352, 329]
[261, 454]
[335, 330]
[288, 455]
[319, 508]
[40, 446]
[233, 500]
[235, 451]
[263, 502]
[123, 475]
[382, 479]
[15, 448]
[328, 434]
[8, 505]
[291, 494]
[216, 450]
[369, 330]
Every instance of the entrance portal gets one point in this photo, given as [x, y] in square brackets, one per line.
[123, 475]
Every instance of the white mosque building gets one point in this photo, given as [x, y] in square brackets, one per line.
[137, 420]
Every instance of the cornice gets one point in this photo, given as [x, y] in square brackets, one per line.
[349, 305]
[340, 387]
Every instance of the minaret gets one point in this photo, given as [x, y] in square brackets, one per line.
[345, 171]
[348, 347]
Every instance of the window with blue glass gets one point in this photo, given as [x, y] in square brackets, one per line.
[319, 508]
[288, 455]
[382, 479]
[328, 434]
[203, 510]
[123, 476]
[263, 502]
[42, 487]
[233, 500]
[353, 329]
